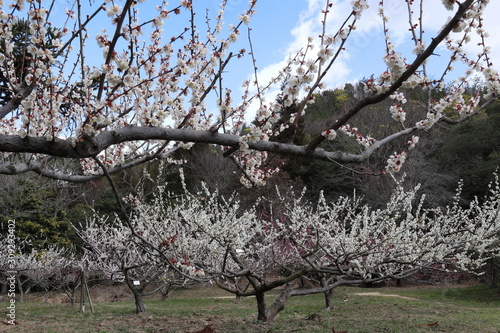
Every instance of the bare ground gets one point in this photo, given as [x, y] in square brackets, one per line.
[375, 293]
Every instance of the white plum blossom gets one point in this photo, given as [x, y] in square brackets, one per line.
[359, 6]
[329, 134]
[413, 142]
[245, 19]
[186, 3]
[398, 113]
[44, 268]
[395, 162]
[113, 10]
[419, 47]
[448, 4]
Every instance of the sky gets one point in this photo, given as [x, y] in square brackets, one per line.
[281, 27]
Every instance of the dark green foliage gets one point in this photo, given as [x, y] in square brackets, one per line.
[471, 151]
[21, 39]
[319, 175]
[38, 209]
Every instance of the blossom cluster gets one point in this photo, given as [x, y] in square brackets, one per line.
[364, 140]
[453, 101]
[299, 78]
[115, 253]
[37, 114]
[395, 162]
[396, 110]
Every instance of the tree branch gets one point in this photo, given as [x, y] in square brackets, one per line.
[410, 70]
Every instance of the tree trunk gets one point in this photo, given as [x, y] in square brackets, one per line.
[279, 303]
[137, 290]
[327, 293]
[22, 291]
[328, 298]
[72, 292]
[267, 315]
[139, 301]
[46, 296]
[261, 306]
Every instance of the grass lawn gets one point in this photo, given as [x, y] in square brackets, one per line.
[452, 309]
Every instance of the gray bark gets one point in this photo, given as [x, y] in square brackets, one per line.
[139, 301]
[93, 146]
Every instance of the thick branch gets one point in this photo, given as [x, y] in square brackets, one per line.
[64, 148]
[91, 148]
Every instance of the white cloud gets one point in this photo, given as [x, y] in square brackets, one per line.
[435, 16]
[309, 25]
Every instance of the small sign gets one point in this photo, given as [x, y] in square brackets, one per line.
[137, 283]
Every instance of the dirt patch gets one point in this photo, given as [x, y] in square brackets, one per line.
[109, 323]
[376, 293]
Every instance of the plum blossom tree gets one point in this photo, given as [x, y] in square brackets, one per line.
[67, 279]
[40, 268]
[338, 243]
[114, 252]
[47, 268]
[149, 93]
